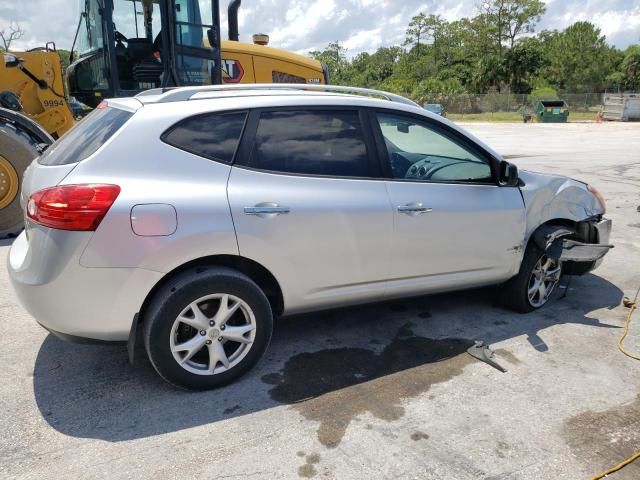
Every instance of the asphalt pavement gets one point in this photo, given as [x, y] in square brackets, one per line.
[379, 391]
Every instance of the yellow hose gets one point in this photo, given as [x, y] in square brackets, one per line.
[631, 305]
[617, 467]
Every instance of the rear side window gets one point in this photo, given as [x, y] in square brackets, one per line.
[85, 138]
[213, 135]
[311, 142]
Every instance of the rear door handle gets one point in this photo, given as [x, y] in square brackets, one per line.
[414, 208]
[266, 209]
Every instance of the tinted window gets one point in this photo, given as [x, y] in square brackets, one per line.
[214, 135]
[311, 142]
[419, 151]
[86, 137]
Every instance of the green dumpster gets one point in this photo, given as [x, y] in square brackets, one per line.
[552, 111]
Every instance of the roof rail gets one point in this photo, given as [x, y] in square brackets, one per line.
[186, 93]
[152, 91]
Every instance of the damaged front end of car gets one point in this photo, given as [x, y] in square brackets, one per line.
[579, 248]
[565, 218]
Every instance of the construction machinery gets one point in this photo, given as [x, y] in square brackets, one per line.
[121, 48]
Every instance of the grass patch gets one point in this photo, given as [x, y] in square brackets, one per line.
[511, 117]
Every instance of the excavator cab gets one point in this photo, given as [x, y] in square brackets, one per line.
[127, 46]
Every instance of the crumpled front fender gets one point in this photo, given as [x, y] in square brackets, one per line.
[554, 197]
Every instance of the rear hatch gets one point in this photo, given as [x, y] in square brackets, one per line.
[78, 144]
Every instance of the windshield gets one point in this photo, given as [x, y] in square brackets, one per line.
[90, 35]
[193, 19]
[137, 18]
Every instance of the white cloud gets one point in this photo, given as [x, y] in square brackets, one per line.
[619, 20]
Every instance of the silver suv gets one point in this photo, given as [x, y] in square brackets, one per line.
[193, 216]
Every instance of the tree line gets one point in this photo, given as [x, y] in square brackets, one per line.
[497, 50]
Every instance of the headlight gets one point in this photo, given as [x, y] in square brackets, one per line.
[599, 196]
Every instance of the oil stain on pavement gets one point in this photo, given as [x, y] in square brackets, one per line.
[416, 436]
[604, 439]
[308, 470]
[334, 386]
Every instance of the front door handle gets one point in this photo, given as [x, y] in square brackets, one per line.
[266, 209]
[414, 208]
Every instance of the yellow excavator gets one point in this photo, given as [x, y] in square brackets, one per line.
[121, 48]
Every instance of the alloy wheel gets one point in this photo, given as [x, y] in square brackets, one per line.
[543, 281]
[213, 334]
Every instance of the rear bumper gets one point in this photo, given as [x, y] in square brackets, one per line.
[84, 340]
[72, 301]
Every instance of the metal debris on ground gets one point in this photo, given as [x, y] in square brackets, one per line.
[483, 353]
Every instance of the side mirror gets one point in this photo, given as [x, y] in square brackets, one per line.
[508, 176]
[11, 61]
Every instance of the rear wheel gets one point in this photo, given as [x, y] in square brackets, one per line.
[207, 327]
[17, 151]
[535, 283]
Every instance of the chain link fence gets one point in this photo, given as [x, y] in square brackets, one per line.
[467, 104]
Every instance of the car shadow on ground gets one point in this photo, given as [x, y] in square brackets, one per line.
[326, 358]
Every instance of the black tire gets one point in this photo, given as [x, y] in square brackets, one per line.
[19, 149]
[514, 293]
[189, 286]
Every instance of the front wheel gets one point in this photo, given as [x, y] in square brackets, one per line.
[536, 281]
[207, 327]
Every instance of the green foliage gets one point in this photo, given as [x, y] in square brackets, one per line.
[334, 56]
[423, 28]
[64, 58]
[522, 62]
[433, 90]
[508, 19]
[630, 70]
[579, 58]
[543, 93]
[496, 51]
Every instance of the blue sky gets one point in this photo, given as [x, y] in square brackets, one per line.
[361, 25]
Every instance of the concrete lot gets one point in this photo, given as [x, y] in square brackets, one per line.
[382, 391]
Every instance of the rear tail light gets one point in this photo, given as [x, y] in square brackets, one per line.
[72, 207]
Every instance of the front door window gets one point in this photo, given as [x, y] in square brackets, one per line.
[418, 151]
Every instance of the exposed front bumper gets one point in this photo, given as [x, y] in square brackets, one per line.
[578, 257]
[604, 233]
[69, 299]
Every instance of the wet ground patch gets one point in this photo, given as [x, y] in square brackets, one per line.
[604, 439]
[308, 470]
[416, 436]
[333, 386]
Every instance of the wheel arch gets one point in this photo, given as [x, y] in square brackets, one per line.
[555, 222]
[584, 230]
[252, 269]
